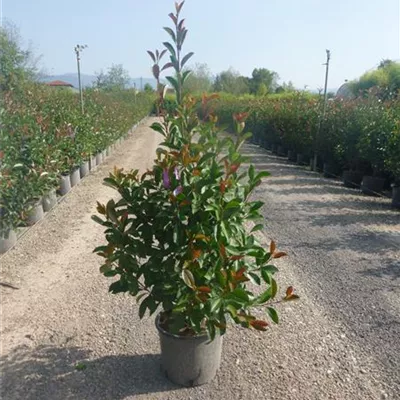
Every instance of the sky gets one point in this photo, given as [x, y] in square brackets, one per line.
[286, 36]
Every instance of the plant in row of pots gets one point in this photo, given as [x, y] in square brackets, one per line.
[177, 238]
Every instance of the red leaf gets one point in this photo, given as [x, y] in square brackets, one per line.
[259, 325]
[235, 258]
[279, 254]
[196, 253]
[204, 289]
[222, 187]
[289, 291]
[222, 250]
[151, 54]
[173, 17]
[272, 247]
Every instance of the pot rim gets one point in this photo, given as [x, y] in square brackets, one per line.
[173, 335]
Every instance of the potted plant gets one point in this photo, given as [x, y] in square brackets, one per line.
[376, 129]
[177, 238]
[11, 207]
[392, 161]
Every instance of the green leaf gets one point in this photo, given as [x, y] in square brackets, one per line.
[240, 294]
[232, 310]
[271, 269]
[273, 314]
[151, 54]
[186, 58]
[188, 278]
[215, 304]
[80, 366]
[111, 214]
[185, 75]
[262, 174]
[257, 227]
[97, 219]
[118, 287]
[254, 278]
[105, 268]
[251, 172]
[173, 82]
[266, 276]
[143, 307]
[171, 33]
[170, 48]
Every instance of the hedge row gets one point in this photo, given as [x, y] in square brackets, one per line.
[44, 135]
[360, 134]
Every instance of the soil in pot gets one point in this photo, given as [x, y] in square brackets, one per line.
[372, 185]
[92, 162]
[291, 155]
[189, 360]
[7, 240]
[75, 177]
[84, 169]
[352, 179]
[396, 196]
[35, 213]
[65, 184]
[49, 200]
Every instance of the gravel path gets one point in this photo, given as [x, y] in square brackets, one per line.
[341, 341]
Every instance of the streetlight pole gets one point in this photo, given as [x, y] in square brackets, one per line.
[78, 50]
[328, 57]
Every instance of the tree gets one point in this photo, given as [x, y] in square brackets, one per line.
[285, 87]
[117, 78]
[148, 88]
[200, 80]
[385, 81]
[263, 76]
[16, 65]
[230, 81]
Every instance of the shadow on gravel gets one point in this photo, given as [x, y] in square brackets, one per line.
[391, 271]
[47, 372]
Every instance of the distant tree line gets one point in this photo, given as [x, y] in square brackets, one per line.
[262, 82]
[383, 81]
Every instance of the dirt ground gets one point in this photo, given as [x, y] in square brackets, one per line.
[63, 336]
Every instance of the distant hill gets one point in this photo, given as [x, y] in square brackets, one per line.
[88, 80]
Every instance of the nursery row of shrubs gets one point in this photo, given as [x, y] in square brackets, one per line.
[358, 138]
[45, 141]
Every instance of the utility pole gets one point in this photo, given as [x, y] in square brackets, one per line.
[78, 49]
[328, 58]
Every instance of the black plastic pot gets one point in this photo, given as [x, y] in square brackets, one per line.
[372, 185]
[7, 240]
[49, 200]
[282, 152]
[396, 196]
[65, 184]
[330, 170]
[274, 148]
[291, 156]
[301, 159]
[35, 213]
[352, 179]
[189, 360]
[75, 177]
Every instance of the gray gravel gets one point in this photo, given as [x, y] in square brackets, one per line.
[341, 341]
